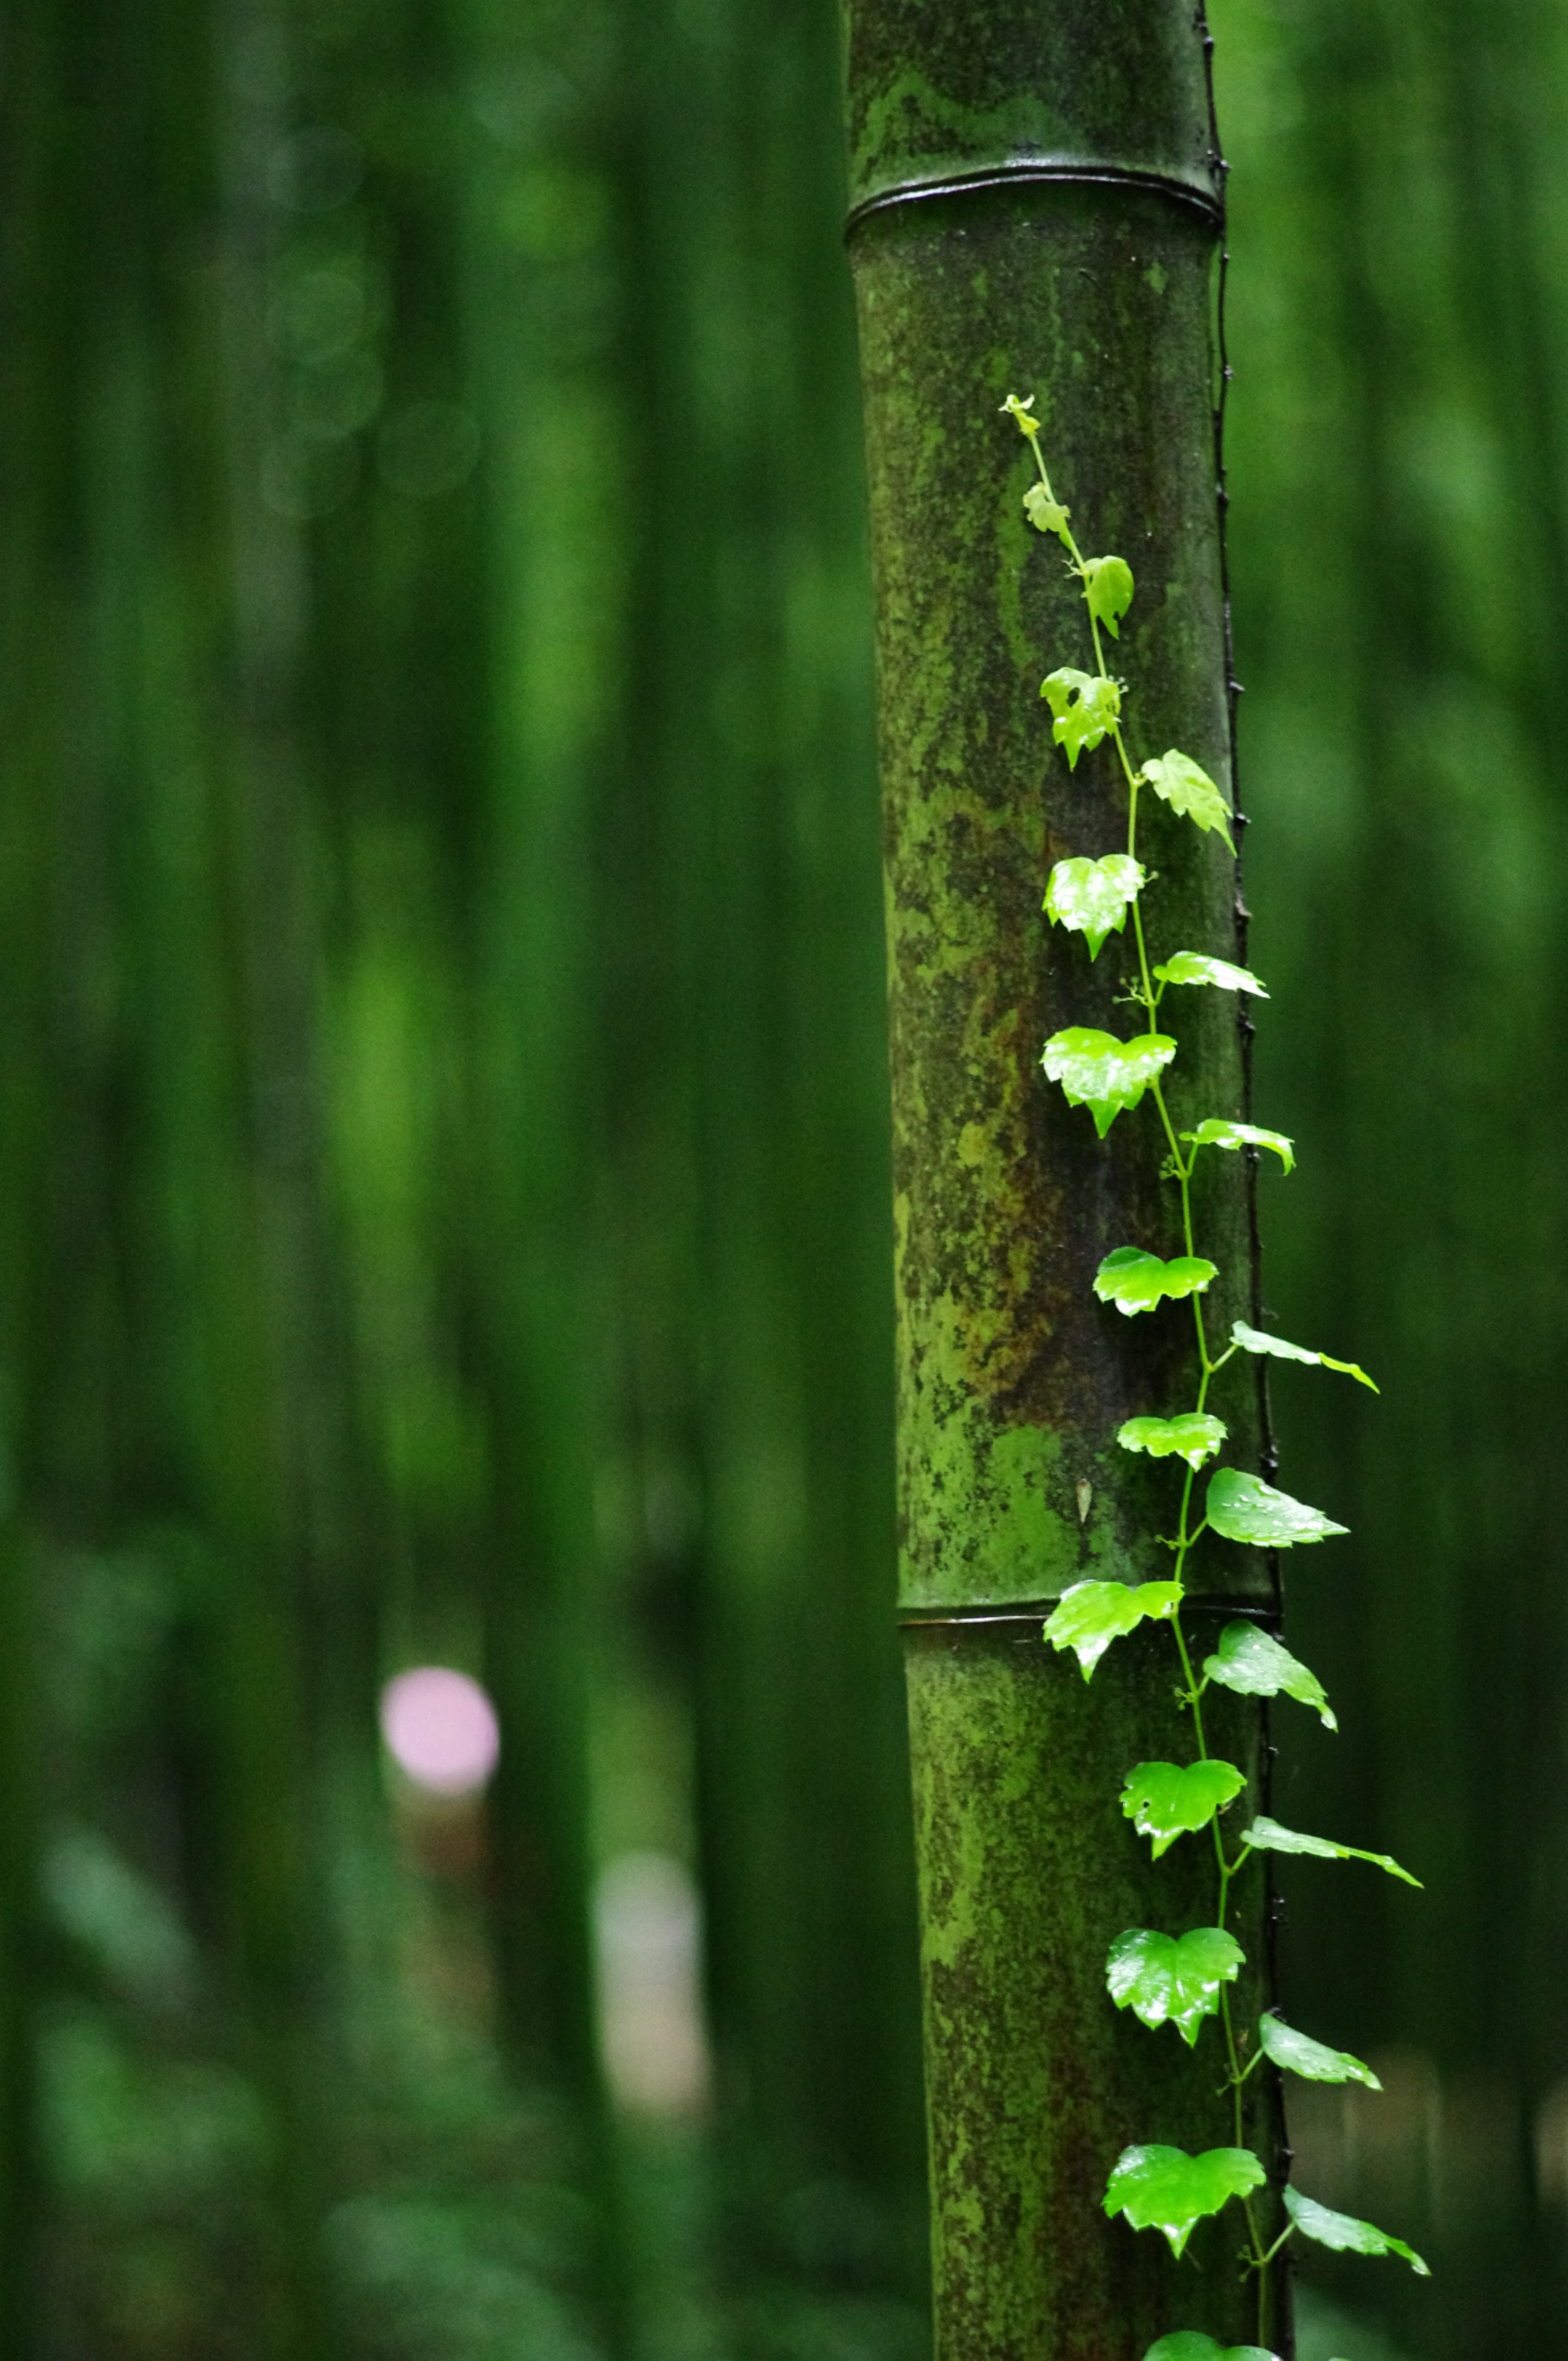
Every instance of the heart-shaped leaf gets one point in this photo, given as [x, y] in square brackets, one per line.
[1313, 2060]
[1091, 897]
[1254, 1664]
[1195, 967]
[1191, 2345]
[1136, 1282]
[1166, 1800]
[1103, 1074]
[1177, 781]
[1194, 1436]
[1267, 1836]
[1255, 1340]
[1245, 1509]
[1346, 2234]
[1173, 1979]
[1108, 586]
[1086, 705]
[1092, 1614]
[1045, 513]
[1165, 2189]
[1214, 1132]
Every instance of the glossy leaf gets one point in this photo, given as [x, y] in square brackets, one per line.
[1177, 781]
[1266, 1836]
[1214, 1132]
[1166, 1800]
[1346, 2234]
[1191, 2345]
[1194, 1436]
[1254, 1664]
[1085, 706]
[1245, 1509]
[1297, 2053]
[1173, 1979]
[1045, 513]
[1136, 1282]
[1195, 967]
[1096, 1071]
[1108, 586]
[1257, 1340]
[1165, 2189]
[1092, 1614]
[1091, 898]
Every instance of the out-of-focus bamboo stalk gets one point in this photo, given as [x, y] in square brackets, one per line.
[750, 698]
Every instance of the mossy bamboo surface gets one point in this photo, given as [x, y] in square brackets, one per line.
[1034, 210]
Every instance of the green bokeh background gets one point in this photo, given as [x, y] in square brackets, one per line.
[443, 1197]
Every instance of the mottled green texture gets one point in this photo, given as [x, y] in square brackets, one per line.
[1014, 1380]
[938, 92]
[1036, 2083]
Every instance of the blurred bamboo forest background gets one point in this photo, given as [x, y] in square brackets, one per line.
[442, 1207]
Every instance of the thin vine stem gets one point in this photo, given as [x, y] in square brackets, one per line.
[1096, 897]
[1258, 2256]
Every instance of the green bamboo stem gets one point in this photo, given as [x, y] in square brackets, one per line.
[1093, 293]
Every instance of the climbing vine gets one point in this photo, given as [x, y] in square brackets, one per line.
[1183, 1979]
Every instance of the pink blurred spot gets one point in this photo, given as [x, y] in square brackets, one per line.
[441, 1729]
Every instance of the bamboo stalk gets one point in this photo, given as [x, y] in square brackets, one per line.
[1036, 209]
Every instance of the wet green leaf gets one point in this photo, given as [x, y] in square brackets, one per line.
[1177, 781]
[1194, 1436]
[1245, 1509]
[1103, 1074]
[1191, 2345]
[1091, 897]
[1173, 1978]
[1267, 1836]
[1216, 1133]
[1195, 967]
[1346, 2234]
[1092, 1614]
[1136, 1282]
[1296, 2053]
[1085, 706]
[1108, 586]
[1045, 513]
[1166, 1800]
[1254, 1664]
[1165, 2189]
[1256, 1340]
